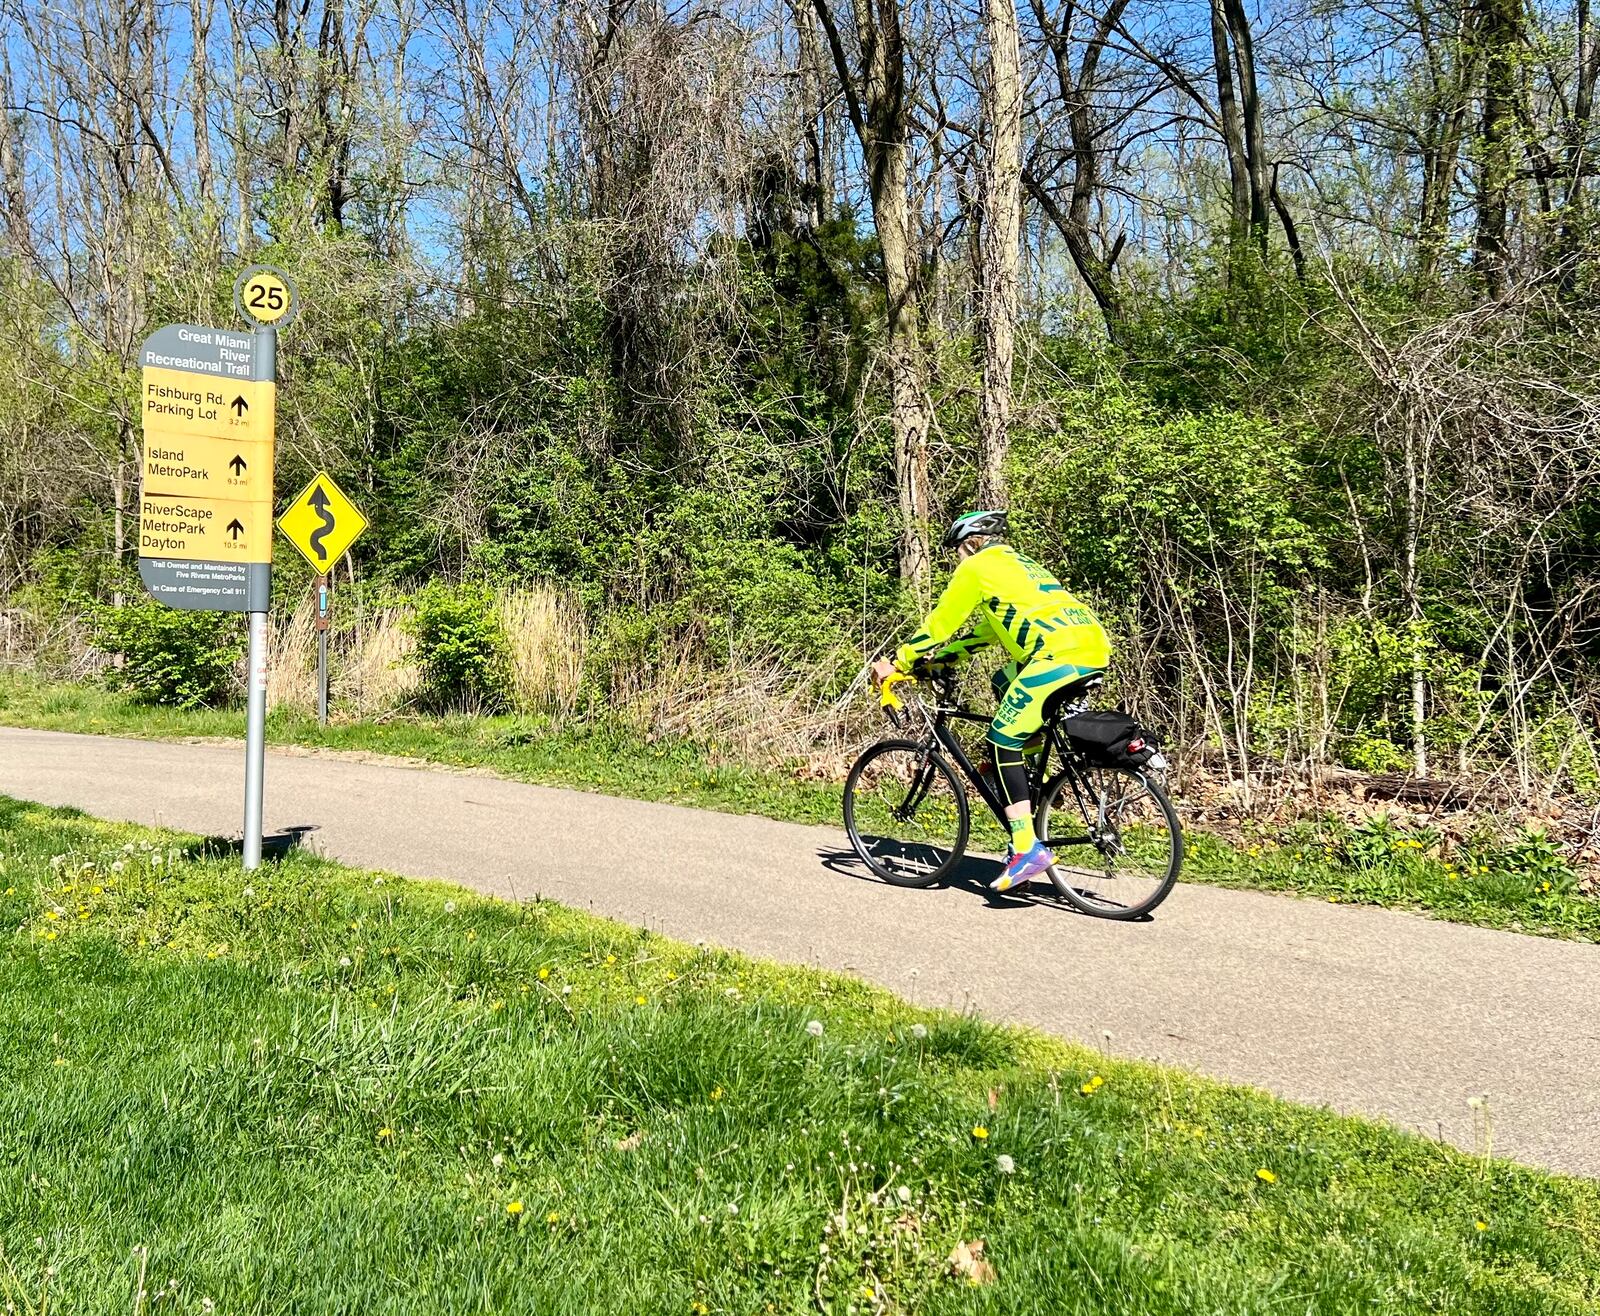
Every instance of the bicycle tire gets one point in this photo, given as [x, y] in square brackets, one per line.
[963, 816]
[1074, 894]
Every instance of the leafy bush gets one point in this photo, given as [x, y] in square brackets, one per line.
[462, 651]
[170, 656]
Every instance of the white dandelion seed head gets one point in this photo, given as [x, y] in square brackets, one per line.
[814, 1028]
[919, 1031]
[903, 1193]
[249, 893]
[128, 848]
[118, 866]
[1005, 1164]
[344, 961]
[497, 1160]
[1475, 1102]
[733, 1208]
[155, 861]
[567, 990]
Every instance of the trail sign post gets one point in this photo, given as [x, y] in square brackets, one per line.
[209, 404]
[322, 523]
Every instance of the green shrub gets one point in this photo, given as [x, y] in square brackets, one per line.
[171, 656]
[462, 651]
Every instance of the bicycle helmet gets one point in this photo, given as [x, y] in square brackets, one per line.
[974, 523]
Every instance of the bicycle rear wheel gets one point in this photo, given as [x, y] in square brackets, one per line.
[1116, 837]
[905, 813]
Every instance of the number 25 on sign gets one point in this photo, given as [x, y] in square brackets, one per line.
[267, 295]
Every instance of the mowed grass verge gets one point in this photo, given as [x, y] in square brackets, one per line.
[1492, 887]
[318, 1089]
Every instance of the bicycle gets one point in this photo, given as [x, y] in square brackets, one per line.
[908, 818]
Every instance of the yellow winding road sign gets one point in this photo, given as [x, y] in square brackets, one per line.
[322, 523]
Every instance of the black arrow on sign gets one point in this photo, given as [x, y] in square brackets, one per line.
[239, 464]
[319, 502]
[240, 406]
[235, 528]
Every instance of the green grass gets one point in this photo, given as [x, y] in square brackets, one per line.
[1499, 888]
[313, 1089]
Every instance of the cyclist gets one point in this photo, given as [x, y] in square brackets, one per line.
[1054, 639]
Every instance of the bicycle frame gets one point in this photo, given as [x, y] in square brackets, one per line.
[939, 729]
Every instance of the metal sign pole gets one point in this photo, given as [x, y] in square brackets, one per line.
[255, 737]
[322, 649]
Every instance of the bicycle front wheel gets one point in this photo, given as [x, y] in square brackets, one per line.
[1116, 838]
[906, 813]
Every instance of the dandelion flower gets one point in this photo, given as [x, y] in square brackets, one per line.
[638, 1000]
[544, 974]
[814, 1028]
[716, 1093]
[1266, 1176]
[385, 1134]
[979, 1132]
[1005, 1164]
[554, 1218]
[514, 1208]
[1480, 1225]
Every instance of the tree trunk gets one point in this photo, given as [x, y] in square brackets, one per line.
[1000, 238]
[200, 13]
[1498, 25]
[1255, 149]
[1232, 133]
[880, 111]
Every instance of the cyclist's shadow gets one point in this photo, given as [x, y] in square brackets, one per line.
[972, 874]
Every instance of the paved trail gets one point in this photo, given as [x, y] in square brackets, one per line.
[1362, 1009]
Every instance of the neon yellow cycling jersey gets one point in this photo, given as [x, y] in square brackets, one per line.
[1020, 605]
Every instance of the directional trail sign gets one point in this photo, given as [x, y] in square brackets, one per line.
[208, 400]
[322, 523]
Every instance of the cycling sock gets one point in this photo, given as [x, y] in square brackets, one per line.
[1023, 837]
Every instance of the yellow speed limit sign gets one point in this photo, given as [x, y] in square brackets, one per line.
[267, 295]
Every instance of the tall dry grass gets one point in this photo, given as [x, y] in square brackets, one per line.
[377, 675]
[547, 636]
[292, 665]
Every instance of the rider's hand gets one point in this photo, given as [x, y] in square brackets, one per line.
[882, 670]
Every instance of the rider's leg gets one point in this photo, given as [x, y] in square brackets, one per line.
[1020, 718]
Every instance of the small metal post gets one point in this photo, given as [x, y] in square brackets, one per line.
[323, 584]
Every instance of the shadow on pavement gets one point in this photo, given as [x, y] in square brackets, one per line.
[274, 845]
[972, 874]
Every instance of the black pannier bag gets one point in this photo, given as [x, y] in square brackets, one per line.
[1111, 738]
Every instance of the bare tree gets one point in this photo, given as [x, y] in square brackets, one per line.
[1000, 241]
[872, 76]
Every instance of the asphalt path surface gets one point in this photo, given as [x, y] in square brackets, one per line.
[1366, 1010]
